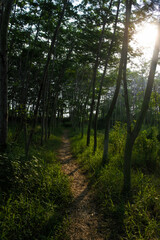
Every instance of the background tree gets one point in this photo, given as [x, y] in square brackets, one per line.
[119, 77]
[5, 10]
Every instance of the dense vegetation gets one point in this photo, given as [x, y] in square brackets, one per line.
[139, 217]
[34, 192]
[76, 63]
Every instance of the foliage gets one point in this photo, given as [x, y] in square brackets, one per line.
[48, 87]
[141, 218]
[146, 150]
[138, 218]
[33, 207]
[117, 143]
[91, 162]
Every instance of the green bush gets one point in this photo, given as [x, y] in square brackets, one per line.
[146, 150]
[117, 139]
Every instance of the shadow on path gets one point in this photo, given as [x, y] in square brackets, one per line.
[84, 219]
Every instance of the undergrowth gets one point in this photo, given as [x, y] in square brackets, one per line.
[139, 218]
[33, 193]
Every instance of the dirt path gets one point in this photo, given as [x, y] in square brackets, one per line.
[86, 223]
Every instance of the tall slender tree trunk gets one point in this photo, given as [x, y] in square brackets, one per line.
[44, 111]
[102, 79]
[131, 136]
[93, 85]
[54, 113]
[48, 102]
[116, 93]
[94, 80]
[45, 72]
[5, 10]
[84, 109]
[42, 126]
[127, 164]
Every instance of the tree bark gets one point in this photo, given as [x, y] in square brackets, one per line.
[5, 11]
[93, 85]
[127, 164]
[102, 79]
[84, 109]
[94, 80]
[116, 93]
[131, 137]
[45, 72]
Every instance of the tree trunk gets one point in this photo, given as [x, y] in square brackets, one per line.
[47, 108]
[54, 113]
[82, 127]
[131, 137]
[45, 73]
[102, 79]
[42, 127]
[93, 85]
[5, 10]
[84, 107]
[127, 164]
[105, 159]
[116, 93]
[94, 80]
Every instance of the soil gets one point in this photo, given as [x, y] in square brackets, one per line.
[86, 223]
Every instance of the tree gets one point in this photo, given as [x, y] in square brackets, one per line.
[119, 78]
[103, 76]
[95, 69]
[132, 134]
[5, 10]
[45, 72]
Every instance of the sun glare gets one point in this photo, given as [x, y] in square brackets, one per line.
[145, 38]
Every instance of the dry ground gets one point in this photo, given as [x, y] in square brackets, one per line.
[86, 222]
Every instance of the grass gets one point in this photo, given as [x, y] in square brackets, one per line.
[139, 218]
[34, 193]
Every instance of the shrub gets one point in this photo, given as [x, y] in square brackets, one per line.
[146, 151]
[117, 139]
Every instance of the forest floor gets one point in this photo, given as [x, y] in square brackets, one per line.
[86, 222]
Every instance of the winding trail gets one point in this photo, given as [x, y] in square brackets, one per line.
[85, 222]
